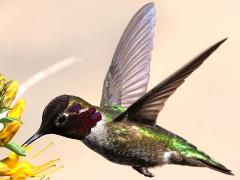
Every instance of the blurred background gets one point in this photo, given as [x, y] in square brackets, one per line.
[205, 110]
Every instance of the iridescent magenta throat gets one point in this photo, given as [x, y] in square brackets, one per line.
[88, 117]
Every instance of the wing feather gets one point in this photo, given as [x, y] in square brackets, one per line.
[146, 109]
[127, 77]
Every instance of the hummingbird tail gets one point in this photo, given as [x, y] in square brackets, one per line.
[215, 166]
[199, 159]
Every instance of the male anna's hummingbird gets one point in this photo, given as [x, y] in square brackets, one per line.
[123, 129]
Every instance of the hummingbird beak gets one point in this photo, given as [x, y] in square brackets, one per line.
[32, 139]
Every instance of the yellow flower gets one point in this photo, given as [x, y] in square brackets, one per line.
[8, 132]
[2, 80]
[17, 110]
[10, 124]
[10, 129]
[14, 168]
[9, 93]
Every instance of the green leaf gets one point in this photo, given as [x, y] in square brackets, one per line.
[7, 120]
[14, 147]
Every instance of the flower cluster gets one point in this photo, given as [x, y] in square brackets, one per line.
[15, 167]
[10, 124]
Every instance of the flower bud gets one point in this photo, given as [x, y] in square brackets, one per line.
[10, 93]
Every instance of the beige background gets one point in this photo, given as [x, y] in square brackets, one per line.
[205, 110]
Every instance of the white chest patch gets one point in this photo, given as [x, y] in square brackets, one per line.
[167, 155]
[98, 129]
[98, 133]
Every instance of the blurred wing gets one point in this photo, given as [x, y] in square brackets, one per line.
[146, 109]
[127, 77]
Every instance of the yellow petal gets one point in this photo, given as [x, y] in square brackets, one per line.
[17, 109]
[10, 93]
[2, 80]
[3, 169]
[17, 169]
[13, 156]
[8, 132]
[19, 177]
[21, 168]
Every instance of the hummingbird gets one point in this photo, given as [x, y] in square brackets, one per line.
[123, 128]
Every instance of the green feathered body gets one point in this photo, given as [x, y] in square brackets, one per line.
[129, 143]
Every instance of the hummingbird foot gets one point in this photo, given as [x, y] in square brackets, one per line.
[143, 171]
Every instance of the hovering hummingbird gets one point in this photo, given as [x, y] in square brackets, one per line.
[123, 129]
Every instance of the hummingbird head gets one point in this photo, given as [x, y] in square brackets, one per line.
[67, 116]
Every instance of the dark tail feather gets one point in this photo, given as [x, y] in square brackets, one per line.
[216, 166]
[197, 162]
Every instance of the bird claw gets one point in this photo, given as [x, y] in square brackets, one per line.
[143, 171]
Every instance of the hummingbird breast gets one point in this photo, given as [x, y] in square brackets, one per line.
[124, 143]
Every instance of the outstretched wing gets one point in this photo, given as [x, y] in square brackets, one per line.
[127, 77]
[146, 109]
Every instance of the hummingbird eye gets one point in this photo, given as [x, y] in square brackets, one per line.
[61, 119]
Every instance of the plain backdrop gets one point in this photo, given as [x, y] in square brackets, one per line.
[205, 110]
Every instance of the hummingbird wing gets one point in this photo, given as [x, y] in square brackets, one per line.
[146, 109]
[127, 77]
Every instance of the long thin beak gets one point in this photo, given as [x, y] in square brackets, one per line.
[32, 139]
